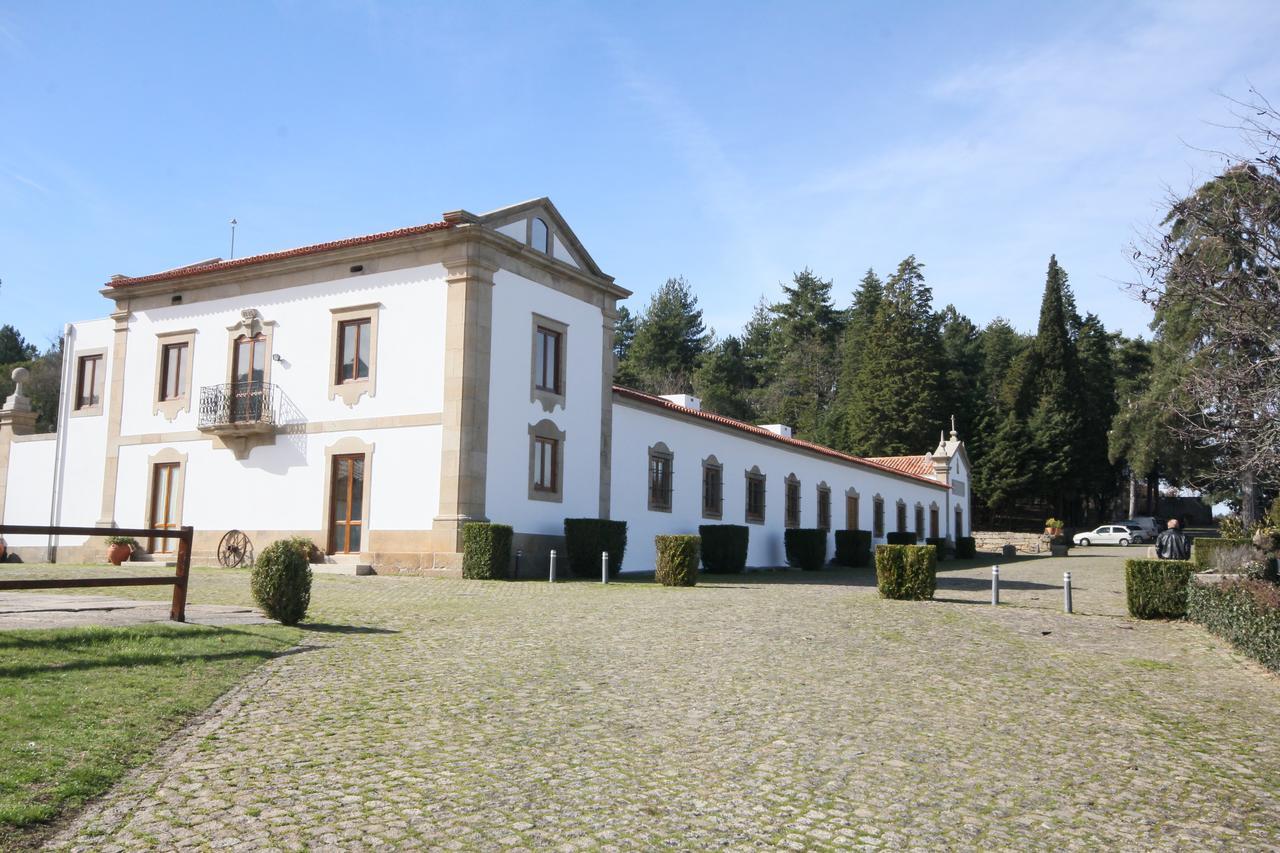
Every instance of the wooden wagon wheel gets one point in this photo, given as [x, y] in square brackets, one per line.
[235, 549]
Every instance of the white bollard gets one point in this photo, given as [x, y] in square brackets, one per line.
[553, 567]
[995, 585]
[1066, 592]
[604, 567]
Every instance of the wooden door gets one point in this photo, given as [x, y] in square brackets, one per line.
[248, 368]
[346, 504]
[164, 508]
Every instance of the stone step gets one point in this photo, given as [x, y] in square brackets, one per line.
[349, 568]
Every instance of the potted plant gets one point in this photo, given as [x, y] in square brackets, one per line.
[120, 548]
[1053, 526]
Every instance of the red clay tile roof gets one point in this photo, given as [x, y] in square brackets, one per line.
[210, 266]
[760, 432]
[919, 466]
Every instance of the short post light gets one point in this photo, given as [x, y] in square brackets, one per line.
[604, 567]
[553, 566]
[1066, 592]
[995, 585]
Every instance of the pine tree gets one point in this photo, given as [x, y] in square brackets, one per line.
[1098, 390]
[894, 401]
[805, 329]
[669, 341]
[722, 381]
[14, 349]
[1007, 471]
[851, 347]
[624, 332]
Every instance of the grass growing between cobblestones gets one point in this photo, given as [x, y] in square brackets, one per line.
[80, 707]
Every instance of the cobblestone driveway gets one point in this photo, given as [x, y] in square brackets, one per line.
[744, 713]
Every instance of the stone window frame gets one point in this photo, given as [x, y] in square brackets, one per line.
[935, 521]
[711, 463]
[352, 390]
[824, 506]
[547, 429]
[792, 489]
[877, 516]
[251, 324]
[901, 515]
[172, 407]
[99, 383]
[166, 456]
[664, 453]
[920, 528]
[547, 398]
[347, 446]
[754, 475]
[852, 509]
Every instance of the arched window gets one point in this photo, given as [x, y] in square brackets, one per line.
[660, 461]
[792, 518]
[877, 516]
[540, 236]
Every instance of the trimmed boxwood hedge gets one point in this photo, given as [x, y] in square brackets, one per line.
[853, 548]
[966, 548]
[906, 572]
[724, 547]
[677, 560]
[1245, 613]
[901, 537]
[1157, 589]
[940, 544]
[1204, 548]
[486, 550]
[281, 582]
[585, 538]
[806, 547]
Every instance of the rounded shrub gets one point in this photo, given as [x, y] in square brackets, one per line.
[907, 572]
[724, 547]
[677, 560]
[281, 582]
[806, 547]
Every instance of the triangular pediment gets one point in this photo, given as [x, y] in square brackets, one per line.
[525, 223]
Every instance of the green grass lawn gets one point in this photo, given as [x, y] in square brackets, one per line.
[80, 707]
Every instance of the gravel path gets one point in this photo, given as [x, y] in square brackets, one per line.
[793, 711]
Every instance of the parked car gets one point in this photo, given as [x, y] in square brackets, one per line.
[1110, 534]
[1149, 525]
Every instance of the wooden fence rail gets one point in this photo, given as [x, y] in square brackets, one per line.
[184, 535]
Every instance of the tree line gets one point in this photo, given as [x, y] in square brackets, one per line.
[44, 383]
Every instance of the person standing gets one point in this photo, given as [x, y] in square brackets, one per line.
[1173, 544]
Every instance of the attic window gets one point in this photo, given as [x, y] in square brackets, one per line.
[540, 236]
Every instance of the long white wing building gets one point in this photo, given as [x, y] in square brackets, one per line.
[377, 393]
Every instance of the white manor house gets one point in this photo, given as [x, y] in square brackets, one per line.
[377, 393]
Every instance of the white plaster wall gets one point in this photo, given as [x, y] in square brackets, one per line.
[960, 474]
[27, 500]
[637, 428]
[511, 412]
[410, 356]
[282, 486]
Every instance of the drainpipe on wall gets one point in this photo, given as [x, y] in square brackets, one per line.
[60, 441]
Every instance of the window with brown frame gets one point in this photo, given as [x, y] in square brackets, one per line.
[88, 371]
[792, 516]
[545, 456]
[902, 517]
[824, 508]
[755, 497]
[877, 517]
[353, 350]
[549, 368]
[173, 384]
[919, 521]
[660, 480]
[850, 512]
[933, 522]
[712, 490]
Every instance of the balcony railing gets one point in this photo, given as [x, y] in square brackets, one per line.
[244, 407]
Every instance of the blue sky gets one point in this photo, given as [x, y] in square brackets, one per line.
[730, 143]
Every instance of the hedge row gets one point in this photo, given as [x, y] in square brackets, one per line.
[1203, 550]
[486, 550]
[853, 548]
[901, 537]
[939, 543]
[585, 538]
[908, 572]
[1246, 613]
[806, 547]
[966, 548]
[677, 560]
[1157, 589]
[724, 547]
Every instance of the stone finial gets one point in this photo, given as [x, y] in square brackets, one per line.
[954, 436]
[17, 401]
[19, 375]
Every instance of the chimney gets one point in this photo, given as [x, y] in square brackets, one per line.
[687, 400]
[781, 429]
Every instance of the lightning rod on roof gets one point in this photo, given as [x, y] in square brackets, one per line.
[233, 238]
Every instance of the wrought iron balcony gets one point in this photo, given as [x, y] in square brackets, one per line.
[239, 408]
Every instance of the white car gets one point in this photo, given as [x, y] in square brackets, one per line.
[1109, 534]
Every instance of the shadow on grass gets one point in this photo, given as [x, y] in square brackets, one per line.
[90, 636]
[129, 661]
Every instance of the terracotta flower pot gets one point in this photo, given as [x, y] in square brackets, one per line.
[118, 553]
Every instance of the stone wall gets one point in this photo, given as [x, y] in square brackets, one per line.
[1025, 543]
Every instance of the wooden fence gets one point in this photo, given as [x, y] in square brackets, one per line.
[184, 535]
